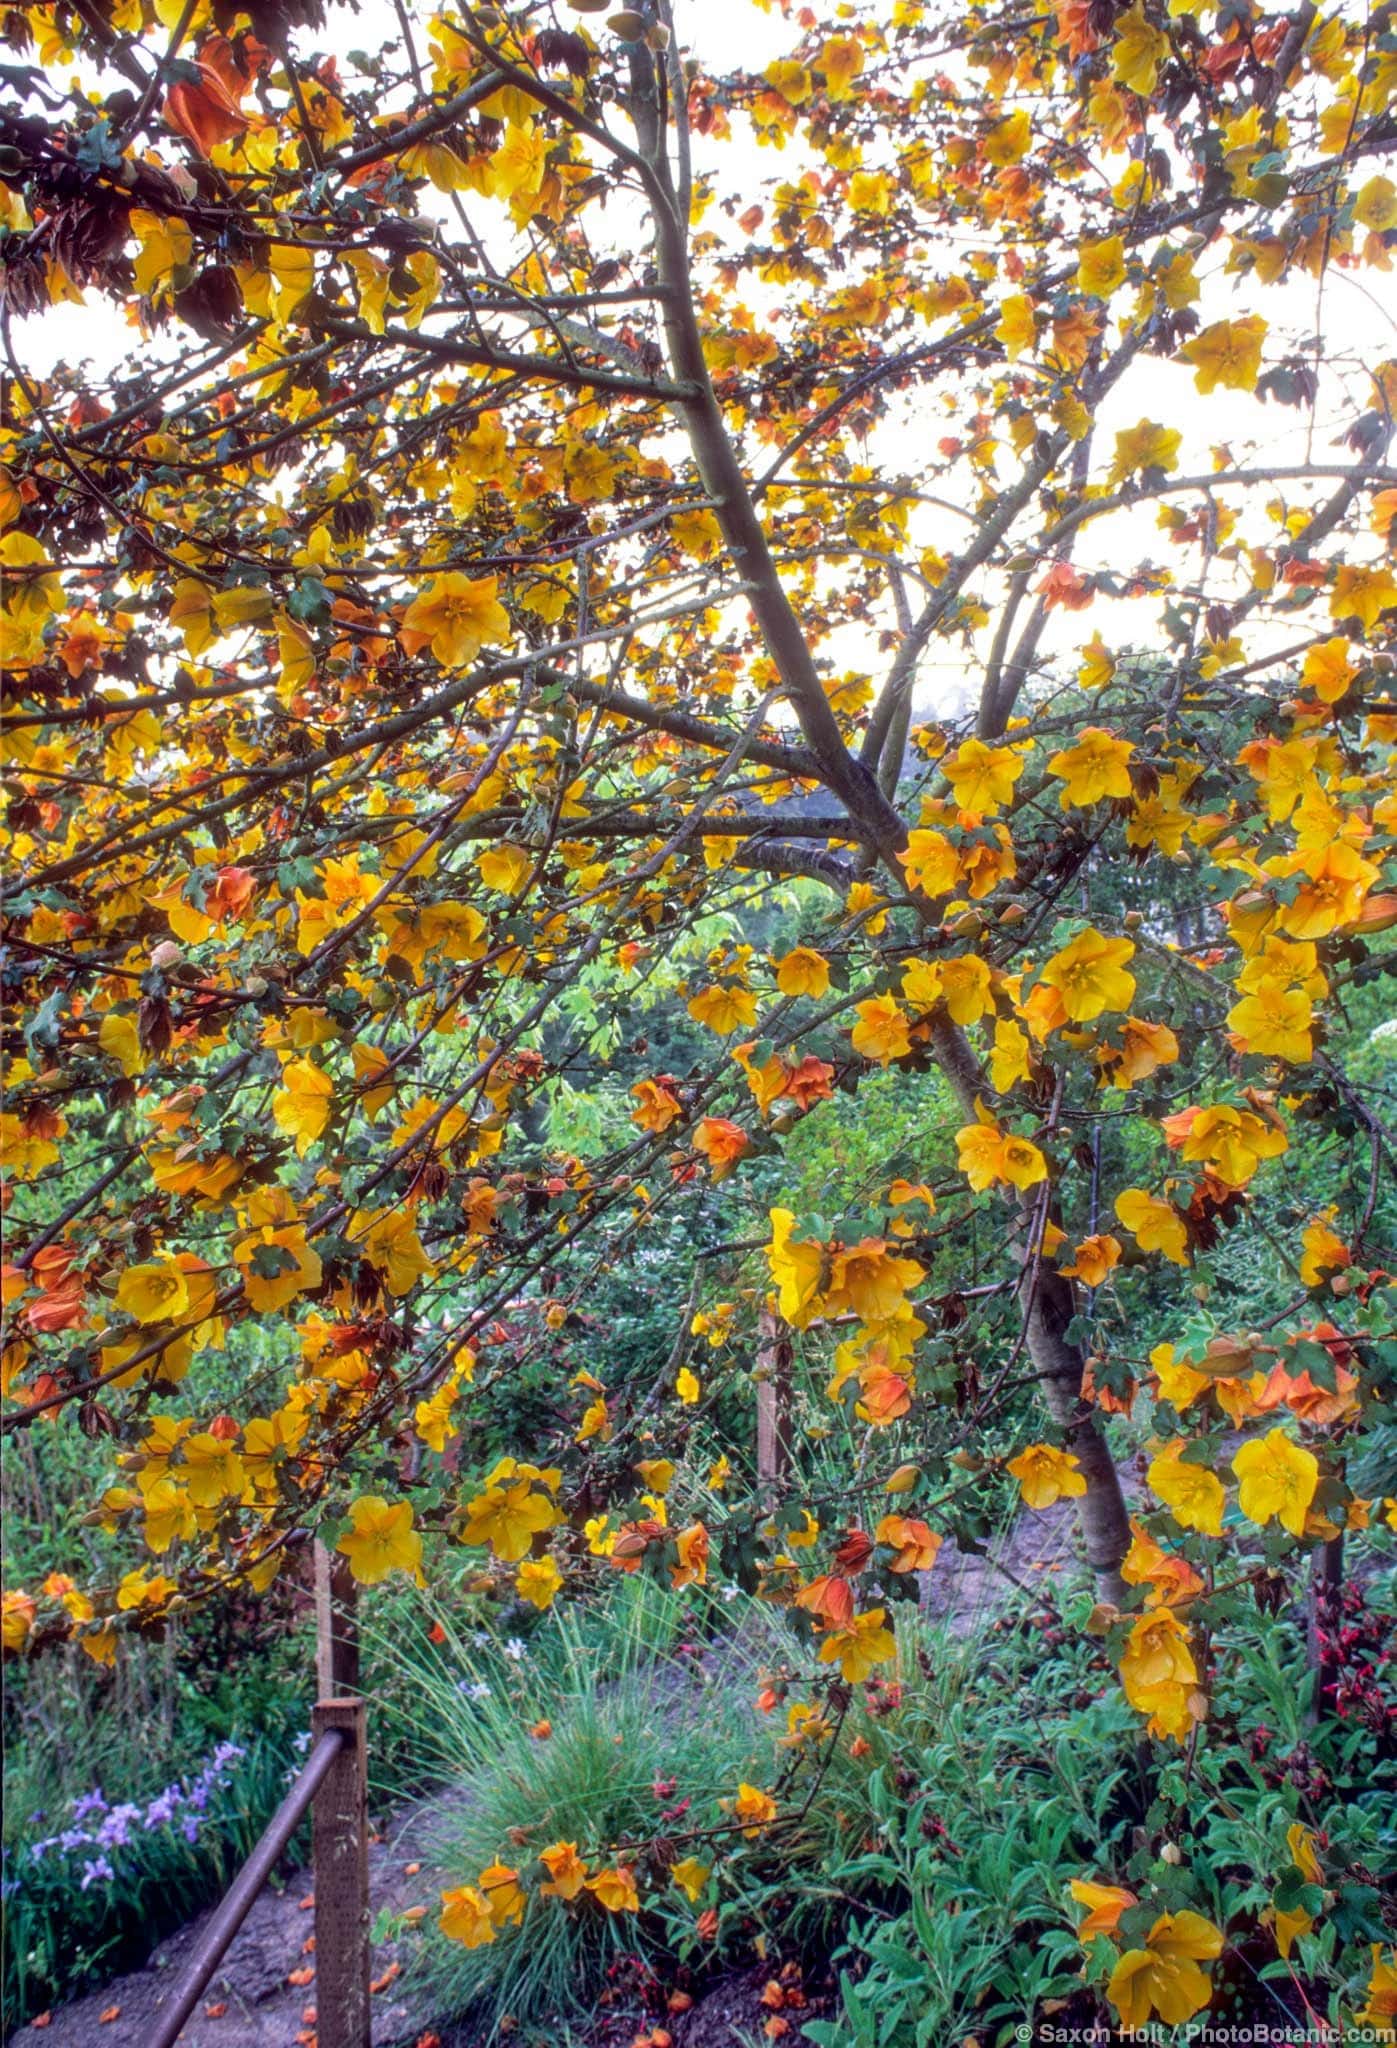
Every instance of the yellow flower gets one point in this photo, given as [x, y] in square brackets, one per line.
[213, 1470]
[137, 1590]
[455, 616]
[1375, 205]
[658, 1474]
[301, 1106]
[169, 1515]
[966, 987]
[914, 1543]
[1227, 353]
[1328, 670]
[1137, 52]
[1193, 1495]
[465, 1917]
[723, 1009]
[881, 1033]
[1301, 1844]
[1288, 1927]
[1008, 140]
[432, 1419]
[388, 1241]
[1362, 593]
[19, 1612]
[1009, 1060]
[871, 1280]
[1164, 1977]
[841, 61]
[268, 1441]
[276, 1266]
[803, 972]
[722, 1143]
[930, 863]
[1381, 2010]
[796, 1267]
[504, 1893]
[790, 78]
[154, 1293]
[510, 1512]
[754, 1807]
[986, 1154]
[567, 1873]
[1276, 1023]
[1101, 269]
[691, 1876]
[1325, 1253]
[537, 1581]
[1158, 1672]
[860, 1644]
[1089, 974]
[1093, 767]
[982, 778]
[615, 1889]
[381, 1540]
[1278, 1480]
[1045, 1475]
[686, 1386]
[1147, 446]
[505, 868]
[1232, 1141]
[1155, 1224]
[1337, 880]
[1017, 329]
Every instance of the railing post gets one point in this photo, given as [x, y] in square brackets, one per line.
[336, 1626]
[340, 1834]
[773, 1401]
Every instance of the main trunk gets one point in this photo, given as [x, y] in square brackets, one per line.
[1102, 1514]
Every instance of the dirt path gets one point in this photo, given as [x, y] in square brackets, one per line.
[259, 1997]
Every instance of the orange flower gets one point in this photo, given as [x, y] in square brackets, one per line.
[722, 1143]
[914, 1544]
[692, 1566]
[1094, 1259]
[1106, 1902]
[204, 113]
[657, 1104]
[810, 1082]
[567, 1873]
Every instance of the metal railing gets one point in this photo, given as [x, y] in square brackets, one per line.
[332, 1783]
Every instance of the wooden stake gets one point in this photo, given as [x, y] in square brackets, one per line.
[336, 1626]
[773, 1400]
[340, 1834]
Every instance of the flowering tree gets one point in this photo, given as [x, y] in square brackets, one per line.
[545, 487]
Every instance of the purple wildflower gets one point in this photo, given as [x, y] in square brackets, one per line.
[95, 1872]
[115, 1831]
[161, 1810]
